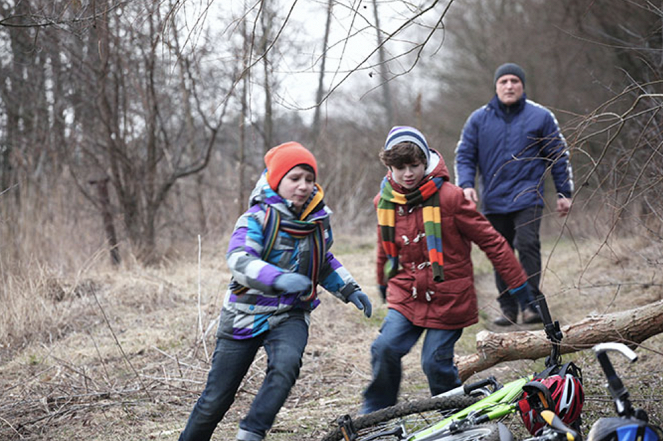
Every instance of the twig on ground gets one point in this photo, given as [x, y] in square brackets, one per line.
[124, 355]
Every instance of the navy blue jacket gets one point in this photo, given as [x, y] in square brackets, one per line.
[513, 149]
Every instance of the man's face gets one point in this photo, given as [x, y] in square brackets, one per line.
[509, 89]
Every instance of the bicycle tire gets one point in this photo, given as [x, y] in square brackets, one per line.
[419, 413]
[483, 432]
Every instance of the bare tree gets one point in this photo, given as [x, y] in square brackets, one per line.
[266, 22]
[243, 117]
[315, 128]
[384, 72]
[150, 130]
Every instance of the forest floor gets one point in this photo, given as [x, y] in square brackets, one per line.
[124, 359]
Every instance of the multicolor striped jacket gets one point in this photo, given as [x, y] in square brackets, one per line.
[260, 308]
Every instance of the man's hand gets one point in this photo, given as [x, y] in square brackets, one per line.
[563, 206]
[470, 194]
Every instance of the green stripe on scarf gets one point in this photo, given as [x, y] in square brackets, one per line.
[389, 198]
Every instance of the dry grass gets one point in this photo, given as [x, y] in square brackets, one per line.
[117, 355]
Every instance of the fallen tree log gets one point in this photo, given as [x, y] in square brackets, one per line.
[629, 327]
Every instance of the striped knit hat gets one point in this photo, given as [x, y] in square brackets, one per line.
[401, 134]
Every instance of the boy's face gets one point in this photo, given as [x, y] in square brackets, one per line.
[297, 186]
[409, 175]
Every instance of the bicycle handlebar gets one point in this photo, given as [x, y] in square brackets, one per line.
[617, 347]
[619, 393]
[490, 381]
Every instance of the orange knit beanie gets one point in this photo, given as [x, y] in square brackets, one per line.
[283, 158]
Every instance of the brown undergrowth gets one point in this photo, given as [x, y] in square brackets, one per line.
[122, 356]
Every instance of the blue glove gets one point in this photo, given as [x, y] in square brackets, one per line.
[291, 283]
[361, 302]
[524, 295]
[383, 292]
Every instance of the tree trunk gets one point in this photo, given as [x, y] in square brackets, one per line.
[16, 98]
[107, 216]
[58, 131]
[266, 20]
[630, 327]
[241, 154]
[321, 78]
[384, 73]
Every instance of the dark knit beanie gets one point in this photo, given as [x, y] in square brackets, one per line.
[510, 69]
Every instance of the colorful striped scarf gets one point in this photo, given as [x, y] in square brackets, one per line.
[315, 234]
[389, 198]
[313, 231]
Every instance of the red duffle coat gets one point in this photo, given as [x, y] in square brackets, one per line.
[451, 304]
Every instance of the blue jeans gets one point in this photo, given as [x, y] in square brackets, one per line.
[397, 337]
[284, 346]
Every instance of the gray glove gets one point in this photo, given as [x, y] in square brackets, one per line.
[291, 283]
[361, 301]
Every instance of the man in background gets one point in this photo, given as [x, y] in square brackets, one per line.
[512, 143]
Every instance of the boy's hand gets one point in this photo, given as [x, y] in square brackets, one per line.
[362, 303]
[290, 283]
[524, 295]
[383, 292]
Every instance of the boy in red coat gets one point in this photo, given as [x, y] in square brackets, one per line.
[426, 228]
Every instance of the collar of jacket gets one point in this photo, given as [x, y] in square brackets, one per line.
[508, 112]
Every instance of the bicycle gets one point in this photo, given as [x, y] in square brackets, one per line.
[467, 412]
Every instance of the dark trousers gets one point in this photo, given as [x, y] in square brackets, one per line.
[231, 361]
[521, 231]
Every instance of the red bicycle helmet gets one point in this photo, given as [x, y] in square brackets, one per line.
[567, 396]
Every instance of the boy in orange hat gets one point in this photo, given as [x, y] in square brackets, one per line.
[278, 254]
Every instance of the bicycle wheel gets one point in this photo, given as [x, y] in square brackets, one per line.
[412, 416]
[483, 432]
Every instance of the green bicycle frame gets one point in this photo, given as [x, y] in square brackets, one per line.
[496, 405]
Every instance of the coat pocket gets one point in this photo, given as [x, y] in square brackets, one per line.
[455, 301]
[399, 289]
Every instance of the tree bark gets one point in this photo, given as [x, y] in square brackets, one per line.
[384, 73]
[630, 327]
[266, 20]
[241, 154]
[321, 79]
[107, 216]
